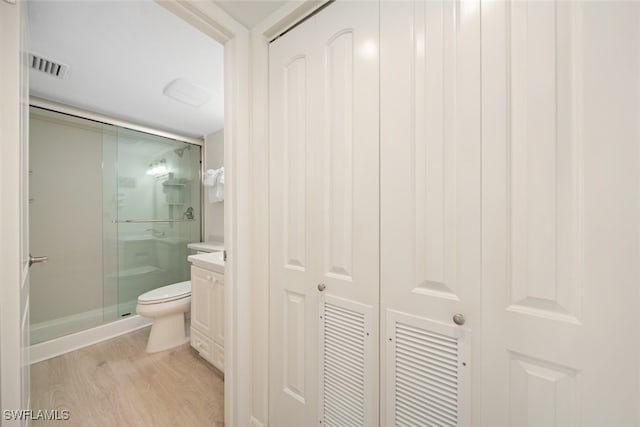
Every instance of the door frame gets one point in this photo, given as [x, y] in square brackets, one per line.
[11, 266]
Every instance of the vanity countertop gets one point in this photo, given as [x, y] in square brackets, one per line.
[211, 261]
[210, 246]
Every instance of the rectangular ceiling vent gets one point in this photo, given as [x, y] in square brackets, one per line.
[47, 66]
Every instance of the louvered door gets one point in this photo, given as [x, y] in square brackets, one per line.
[427, 375]
[324, 228]
[430, 210]
[348, 363]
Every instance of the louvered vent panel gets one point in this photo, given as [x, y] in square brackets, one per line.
[47, 66]
[343, 367]
[426, 377]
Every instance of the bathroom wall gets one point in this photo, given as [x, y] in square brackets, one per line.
[213, 212]
[65, 220]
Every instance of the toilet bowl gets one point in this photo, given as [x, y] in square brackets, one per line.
[166, 306]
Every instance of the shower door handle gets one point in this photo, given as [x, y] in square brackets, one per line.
[37, 259]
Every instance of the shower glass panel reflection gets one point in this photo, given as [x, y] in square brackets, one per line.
[110, 207]
[158, 213]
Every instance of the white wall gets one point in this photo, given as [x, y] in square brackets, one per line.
[213, 212]
[65, 216]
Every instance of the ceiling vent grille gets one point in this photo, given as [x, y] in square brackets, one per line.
[47, 66]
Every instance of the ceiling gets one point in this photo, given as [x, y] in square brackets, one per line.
[249, 13]
[121, 55]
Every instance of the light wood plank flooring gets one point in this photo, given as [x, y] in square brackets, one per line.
[115, 383]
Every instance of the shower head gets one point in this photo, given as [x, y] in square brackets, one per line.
[180, 151]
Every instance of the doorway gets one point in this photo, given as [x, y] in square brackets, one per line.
[220, 27]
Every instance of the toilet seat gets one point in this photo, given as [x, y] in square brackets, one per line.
[167, 293]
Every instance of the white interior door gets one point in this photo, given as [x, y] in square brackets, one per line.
[560, 190]
[293, 302]
[324, 219]
[430, 211]
[14, 180]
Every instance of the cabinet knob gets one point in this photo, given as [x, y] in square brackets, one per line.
[322, 287]
[459, 319]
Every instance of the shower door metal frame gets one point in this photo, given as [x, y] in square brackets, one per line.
[34, 101]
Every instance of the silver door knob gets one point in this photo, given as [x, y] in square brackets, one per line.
[37, 259]
[458, 319]
[322, 287]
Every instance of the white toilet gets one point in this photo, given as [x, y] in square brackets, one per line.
[167, 307]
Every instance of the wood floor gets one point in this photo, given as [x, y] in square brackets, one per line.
[115, 383]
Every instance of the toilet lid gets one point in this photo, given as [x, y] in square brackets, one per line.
[166, 293]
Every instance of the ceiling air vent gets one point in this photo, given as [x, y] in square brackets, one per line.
[47, 66]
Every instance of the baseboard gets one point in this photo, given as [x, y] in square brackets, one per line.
[56, 347]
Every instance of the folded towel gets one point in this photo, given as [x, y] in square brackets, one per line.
[214, 180]
[209, 178]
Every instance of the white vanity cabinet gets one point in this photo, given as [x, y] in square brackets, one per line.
[207, 310]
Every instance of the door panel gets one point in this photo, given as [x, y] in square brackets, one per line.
[560, 186]
[202, 288]
[324, 217]
[348, 206]
[430, 190]
[338, 157]
[544, 164]
[348, 149]
[292, 325]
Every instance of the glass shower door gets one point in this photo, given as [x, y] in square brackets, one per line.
[67, 222]
[157, 201]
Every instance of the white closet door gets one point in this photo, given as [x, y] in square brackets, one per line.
[560, 213]
[293, 322]
[324, 228]
[430, 210]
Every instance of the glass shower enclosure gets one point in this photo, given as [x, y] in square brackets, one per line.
[114, 209]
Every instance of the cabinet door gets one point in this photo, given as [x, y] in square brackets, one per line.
[217, 313]
[430, 210]
[202, 295]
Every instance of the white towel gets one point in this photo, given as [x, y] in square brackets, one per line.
[213, 179]
[209, 178]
